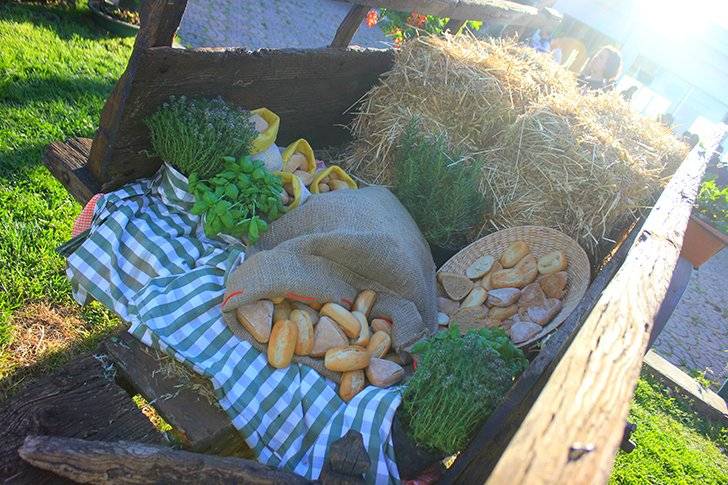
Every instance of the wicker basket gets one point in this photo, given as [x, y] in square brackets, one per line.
[540, 240]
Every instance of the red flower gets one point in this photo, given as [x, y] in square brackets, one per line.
[372, 18]
[416, 20]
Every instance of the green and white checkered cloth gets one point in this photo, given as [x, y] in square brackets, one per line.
[147, 258]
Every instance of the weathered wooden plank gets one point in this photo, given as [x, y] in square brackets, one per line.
[349, 25]
[573, 430]
[485, 449]
[67, 161]
[80, 400]
[205, 426]
[346, 461]
[309, 89]
[132, 462]
[499, 11]
[159, 22]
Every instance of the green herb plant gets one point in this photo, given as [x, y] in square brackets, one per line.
[238, 201]
[194, 134]
[713, 204]
[458, 382]
[438, 187]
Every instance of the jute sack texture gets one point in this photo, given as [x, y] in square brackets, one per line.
[330, 249]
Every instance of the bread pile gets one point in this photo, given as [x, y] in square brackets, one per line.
[347, 341]
[518, 292]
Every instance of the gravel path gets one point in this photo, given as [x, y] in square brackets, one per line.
[696, 335]
[275, 24]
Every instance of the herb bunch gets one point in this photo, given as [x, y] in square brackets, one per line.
[239, 201]
[713, 204]
[195, 134]
[458, 382]
[438, 187]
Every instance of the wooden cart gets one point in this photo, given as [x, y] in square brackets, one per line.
[563, 419]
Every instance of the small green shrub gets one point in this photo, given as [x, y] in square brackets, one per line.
[713, 204]
[438, 187]
[195, 134]
[458, 382]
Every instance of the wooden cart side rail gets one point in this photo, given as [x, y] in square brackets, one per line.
[572, 432]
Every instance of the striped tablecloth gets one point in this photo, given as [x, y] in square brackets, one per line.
[147, 258]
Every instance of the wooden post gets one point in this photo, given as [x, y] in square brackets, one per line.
[349, 26]
[159, 22]
[454, 25]
[130, 462]
[573, 431]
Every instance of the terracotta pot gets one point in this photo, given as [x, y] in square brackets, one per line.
[702, 241]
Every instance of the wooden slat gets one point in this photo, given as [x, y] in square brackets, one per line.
[205, 426]
[67, 161]
[123, 462]
[80, 400]
[499, 11]
[573, 430]
[485, 449]
[349, 25]
[159, 22]
[308, 89]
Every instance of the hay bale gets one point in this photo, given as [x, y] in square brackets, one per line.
[582, 164]
[468, 88]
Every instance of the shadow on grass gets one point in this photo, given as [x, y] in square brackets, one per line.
[55, 88]
[67, 21]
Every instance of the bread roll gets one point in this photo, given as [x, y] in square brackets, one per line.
[531, 295]
[455, 285]
[501, 313]
[364, 302]
[513, 254]
[469, 317]
[379, 344]
[323, 187]
[480, 267]
[543, 314]
[304, 344]
[523, 330]
[485, 282]
[342, 317]
[315, 305]
[476, 297]
[554, 284]
[313, 314]
[339, 185]
[552, 262]
[277, 299]
[297, 161]
[363, 339]
[381, 325]
[305, 177]
[327, 335]
[503, 296]
[282, 343]
[257, 319]
[344, 359]
[282, 311]
[383, 372]
[352, 383]
[447, 306]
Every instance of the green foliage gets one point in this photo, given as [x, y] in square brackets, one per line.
[195, 134]
[674, 444]
[56, 70]
[438, 187]
[713, 204]
[238, 200]
[403, 25]
[458, 382]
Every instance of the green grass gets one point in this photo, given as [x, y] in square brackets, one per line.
[674, 444]
[56, 70]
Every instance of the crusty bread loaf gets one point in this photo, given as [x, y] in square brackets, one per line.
[381, 325]
[552, 262]
[476, 297]
[364, 302]
[257, 319]
[352, 383]
[364, 335]
[344, 359]
[342, 317]
[282, 343]
[515, 251]
[327, 335]
[501, 313]
[379, 344]
[383, 372]
[480, 267]
[554, 284]
[304, 344]
[456, 286]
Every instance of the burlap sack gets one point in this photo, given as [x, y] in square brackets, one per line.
[334, 246]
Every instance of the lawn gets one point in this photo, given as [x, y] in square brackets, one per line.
[56, 70]
[674, 444]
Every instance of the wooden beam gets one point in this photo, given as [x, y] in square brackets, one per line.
[129, 462]
[573, 430]
[204, 425]
[499, 11]
[348, 27]
[159, 22]
[79, 400]
[309, 89]
[454, 25]
[67, 161]
[480, 457]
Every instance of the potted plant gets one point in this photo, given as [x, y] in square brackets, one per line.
[439, 188]
[458, 382]
[707, 231]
